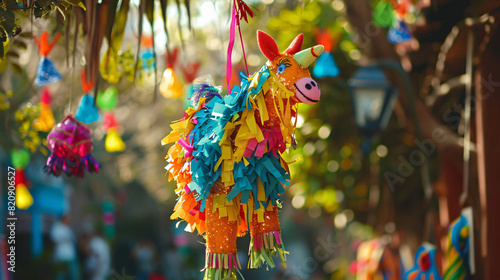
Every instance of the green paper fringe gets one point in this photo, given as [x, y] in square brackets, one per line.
[221, 274]
[218, 267]
[270, 249]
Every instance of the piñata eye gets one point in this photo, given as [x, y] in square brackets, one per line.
[281, 68]
[283, 64]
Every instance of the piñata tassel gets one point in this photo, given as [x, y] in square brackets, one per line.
[222, 266]
[266, 241]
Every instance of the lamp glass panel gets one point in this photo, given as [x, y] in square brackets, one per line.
[389, 108]
[369, 103]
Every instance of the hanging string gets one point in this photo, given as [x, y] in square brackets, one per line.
[230, 46]
[75, 43]
[242, 12]
[467, 111]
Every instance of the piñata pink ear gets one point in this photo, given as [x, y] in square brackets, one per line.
[267, 45]
[296, 45]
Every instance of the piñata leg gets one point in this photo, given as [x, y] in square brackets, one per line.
[266, 239]
[221, 261]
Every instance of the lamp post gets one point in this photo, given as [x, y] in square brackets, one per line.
[363, 77]
[372, 98]
[373, 102]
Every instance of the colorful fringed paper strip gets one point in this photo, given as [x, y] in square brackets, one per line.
[221, 266]
[188, 209]
[265, 246]
[71, 166]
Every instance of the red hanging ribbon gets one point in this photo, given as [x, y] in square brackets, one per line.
[230, 46]
[242, 12]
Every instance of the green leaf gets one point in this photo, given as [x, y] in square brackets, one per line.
[188, 9]
[26, 35]
[142, 11]
[110, 20]
[150, 6]
[20, 44]
[11, 54]
[8, 20]
[119, 25]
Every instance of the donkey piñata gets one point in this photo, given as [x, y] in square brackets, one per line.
[227, 156]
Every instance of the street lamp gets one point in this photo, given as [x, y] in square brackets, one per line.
[372, 98]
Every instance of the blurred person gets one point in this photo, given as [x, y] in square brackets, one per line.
[173, 263]
[98, 261]
[145, 255]
[65, 249]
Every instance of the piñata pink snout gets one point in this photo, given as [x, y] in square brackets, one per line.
[307, 91]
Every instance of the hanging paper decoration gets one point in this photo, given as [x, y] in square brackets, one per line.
[109, 121]
[191, 72]
[425, 264]
[398, 33]
[70, 144]
[23, 197]
[108, 217]
[227, 157]
[402, 8]
[171, 58]
[325, 64]
[114, 142]
[383, 14]
[87, 85]
[20, 159]
[147, 53]
[457, 251]
[45, 121]
[46, 72]
[170, 85]
[87, 111]
[108, 99]
[147, 58]
[20, 177]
